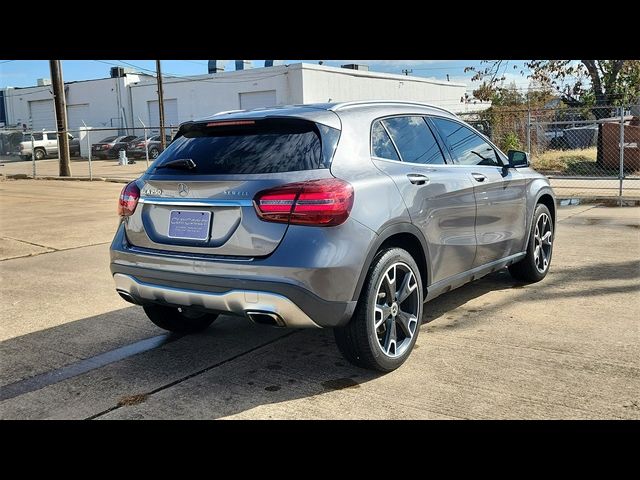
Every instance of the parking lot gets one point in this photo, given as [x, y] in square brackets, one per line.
[70, 348]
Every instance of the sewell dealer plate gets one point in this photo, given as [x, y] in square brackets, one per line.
[189, 224]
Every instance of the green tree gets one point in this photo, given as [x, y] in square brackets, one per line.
[593, 83]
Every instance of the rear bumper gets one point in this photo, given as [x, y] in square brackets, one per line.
[315, 270]
[296, 306]
[238, 302]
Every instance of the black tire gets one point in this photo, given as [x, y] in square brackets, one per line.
[39, 153]
[359, 340]
[528, 269]
[179, 321]
[25, 158]
[153, 153]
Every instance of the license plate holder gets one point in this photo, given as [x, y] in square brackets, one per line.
[189, 224]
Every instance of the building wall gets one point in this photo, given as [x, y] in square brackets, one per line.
[206, 95]
[99, 100]
[326, 84]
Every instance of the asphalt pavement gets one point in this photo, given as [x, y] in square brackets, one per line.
[71, 348]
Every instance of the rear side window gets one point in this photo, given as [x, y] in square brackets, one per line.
[467, 147]
[36, 136]
[381, 145]
[414, 140]
[259, 146]
[52, 136]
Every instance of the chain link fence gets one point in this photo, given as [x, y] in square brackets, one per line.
[585, 152]
[96, 153]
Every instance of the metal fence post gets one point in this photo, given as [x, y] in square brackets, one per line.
[621, 174]
[529, 129]
[146, 147]
[33, 155]
[86, 131]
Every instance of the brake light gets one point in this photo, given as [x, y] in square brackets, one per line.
[325, 202]
[128, 199]
[230, 123]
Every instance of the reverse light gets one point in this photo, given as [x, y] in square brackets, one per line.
[325, 202]
[128, 200]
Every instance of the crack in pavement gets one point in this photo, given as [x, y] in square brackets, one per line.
[195, 374]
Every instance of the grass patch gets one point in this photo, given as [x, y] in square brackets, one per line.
[581, 161]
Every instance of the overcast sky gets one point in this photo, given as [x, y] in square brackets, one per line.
[24, 73]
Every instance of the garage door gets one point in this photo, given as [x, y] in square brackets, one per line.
[76, 114]
[251, 100]
[170, 113]
[43, 116]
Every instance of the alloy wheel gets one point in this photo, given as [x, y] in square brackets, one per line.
[396, 309]
[542, 243]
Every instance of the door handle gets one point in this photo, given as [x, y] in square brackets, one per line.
[417, 178]
[479, 177]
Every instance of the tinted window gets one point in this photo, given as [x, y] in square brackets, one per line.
[36, 136]
[468, 148]
[264, 146]
[414, 140]
[381, 144]
[108, 139]
[52, 136]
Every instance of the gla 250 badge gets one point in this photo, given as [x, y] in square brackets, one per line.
[152, 192]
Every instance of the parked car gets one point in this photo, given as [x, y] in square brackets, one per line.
[110, 147]
[45, 144]
[348, 216]
[135, 148]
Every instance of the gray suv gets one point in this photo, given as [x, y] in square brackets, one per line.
[343, 215]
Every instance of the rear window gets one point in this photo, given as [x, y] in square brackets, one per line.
[261, 146]
[108, 139]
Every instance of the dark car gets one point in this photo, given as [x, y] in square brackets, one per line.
[135, 148]
[74, 146]
[110, 146]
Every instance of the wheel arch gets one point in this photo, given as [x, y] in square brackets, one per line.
[403, 235]
[547, 200]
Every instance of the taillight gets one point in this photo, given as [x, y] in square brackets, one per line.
[128, 200]
[325, 202]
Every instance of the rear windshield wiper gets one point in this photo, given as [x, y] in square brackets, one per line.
[182, 163]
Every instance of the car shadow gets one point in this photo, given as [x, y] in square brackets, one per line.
[233, 367]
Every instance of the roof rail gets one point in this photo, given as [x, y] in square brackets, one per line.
[226, 112]
[342, 105]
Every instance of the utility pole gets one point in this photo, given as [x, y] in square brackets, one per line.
[61, 117]
[163, 140]
[407, 71]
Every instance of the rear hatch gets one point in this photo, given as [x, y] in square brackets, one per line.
[197, 197]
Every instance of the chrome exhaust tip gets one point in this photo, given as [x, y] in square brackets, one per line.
[127, 297]
[266, 318]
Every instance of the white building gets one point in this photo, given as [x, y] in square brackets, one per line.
[123, 102]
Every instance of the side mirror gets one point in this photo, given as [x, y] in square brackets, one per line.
[518, 159]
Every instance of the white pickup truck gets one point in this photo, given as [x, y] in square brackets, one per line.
[45, 144]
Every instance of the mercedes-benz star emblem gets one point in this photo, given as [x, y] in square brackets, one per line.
[183, 190]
